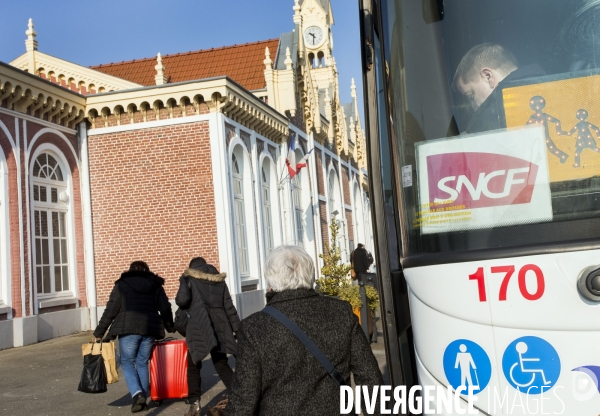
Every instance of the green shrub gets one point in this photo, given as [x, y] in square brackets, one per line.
[334, 274]
[351, 294]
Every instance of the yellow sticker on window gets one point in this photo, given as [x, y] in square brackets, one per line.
[569, 110]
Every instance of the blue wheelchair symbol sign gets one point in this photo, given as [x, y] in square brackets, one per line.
[531, 365]
[467, 364]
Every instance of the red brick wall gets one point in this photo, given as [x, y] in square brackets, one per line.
[346, 182]
[320, 180]
[13, 197]
[152, 200]
[350, 226]
[324, 226]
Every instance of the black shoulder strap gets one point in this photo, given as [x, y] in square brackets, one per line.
[308, 343]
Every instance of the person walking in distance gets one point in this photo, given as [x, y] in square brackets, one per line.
[212, 322]
[133, 310]
[360, 261]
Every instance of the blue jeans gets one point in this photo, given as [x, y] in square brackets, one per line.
[135, 352]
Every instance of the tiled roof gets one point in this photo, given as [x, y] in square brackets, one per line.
[242, 63]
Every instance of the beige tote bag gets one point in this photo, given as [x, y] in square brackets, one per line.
[107, 350]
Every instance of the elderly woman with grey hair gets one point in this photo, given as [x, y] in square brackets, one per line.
[275, 373]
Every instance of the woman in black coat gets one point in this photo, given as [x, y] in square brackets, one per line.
[275, 373]
[212, 321]
[133, 310]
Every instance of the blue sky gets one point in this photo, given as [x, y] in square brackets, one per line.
[94, 32]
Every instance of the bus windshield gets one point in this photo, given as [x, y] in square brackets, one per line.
[495, 118]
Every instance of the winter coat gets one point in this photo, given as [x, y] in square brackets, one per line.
[276, 375]
[490, 115]
[360, 260]
[213, 318]
[133, 307]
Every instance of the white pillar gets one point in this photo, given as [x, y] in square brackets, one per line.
[88, 237]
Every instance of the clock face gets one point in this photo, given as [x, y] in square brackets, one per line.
[313, 36]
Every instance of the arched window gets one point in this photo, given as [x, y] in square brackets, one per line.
[335, 207]
[359, 216]
[239, 212]
[50, 212]
[267, 212]
[297, 199]
[331, 195]
[313, 61]
[321, 59]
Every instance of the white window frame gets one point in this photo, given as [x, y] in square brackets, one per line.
[241, 229]
[335, 205]
[359, 216]
[296, 186]
[64, 205]
[267, 207]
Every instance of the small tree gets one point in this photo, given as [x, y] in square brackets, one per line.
[334, 274]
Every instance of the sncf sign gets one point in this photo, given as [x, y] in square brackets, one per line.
[488, 180]
[479, 180]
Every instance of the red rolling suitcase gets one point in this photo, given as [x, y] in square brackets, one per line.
[168, 370]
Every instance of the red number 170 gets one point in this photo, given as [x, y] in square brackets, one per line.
[508, 272]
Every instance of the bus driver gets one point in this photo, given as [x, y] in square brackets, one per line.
[480, 72]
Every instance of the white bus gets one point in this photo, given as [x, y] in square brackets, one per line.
[483, 126]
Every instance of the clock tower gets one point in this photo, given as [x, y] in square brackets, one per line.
[314, 19]
[319, 76]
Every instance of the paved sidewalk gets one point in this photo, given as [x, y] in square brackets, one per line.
[42, 379]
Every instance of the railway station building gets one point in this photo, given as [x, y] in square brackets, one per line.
[167, 158]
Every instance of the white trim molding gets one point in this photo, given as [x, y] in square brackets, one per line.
[88, 237]
[148, 125]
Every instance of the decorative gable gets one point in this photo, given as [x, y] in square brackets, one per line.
[75, 77]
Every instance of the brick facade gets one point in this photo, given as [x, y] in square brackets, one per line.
[324, 226]
[161, 182]
[346, 184]
[350, 226]
[13, 214]
[320, 179]
[151, 191]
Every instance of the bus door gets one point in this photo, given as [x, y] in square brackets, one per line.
[397, 326]
[483, 130]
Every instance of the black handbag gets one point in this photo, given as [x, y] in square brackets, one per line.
[181, 320]
[93, 376]
[182, 316]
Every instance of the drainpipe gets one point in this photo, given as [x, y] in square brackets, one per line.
[88, 238]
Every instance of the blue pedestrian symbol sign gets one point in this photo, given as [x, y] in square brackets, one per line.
[531, 365]
[467, 364]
